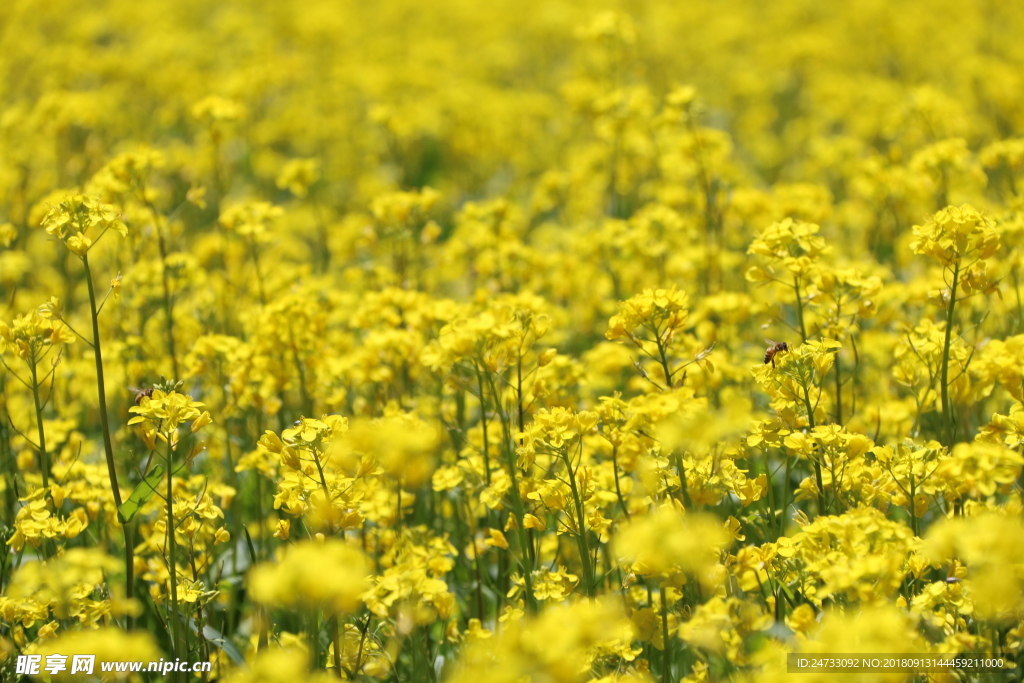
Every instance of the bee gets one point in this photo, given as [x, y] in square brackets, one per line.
[141, 393]
[773, 349]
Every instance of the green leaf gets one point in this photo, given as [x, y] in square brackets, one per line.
[143, 492]
[248, 542]
[217, 638]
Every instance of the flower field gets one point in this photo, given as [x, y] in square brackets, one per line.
[501, 342]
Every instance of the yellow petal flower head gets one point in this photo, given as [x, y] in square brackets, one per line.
[979, 469]
[722, 625]
[252, 219]
[403, 215]
[991, 547]
[297, 175]
[161, 413]
[403, 444]
[661, 311]
[669, 541]
[32, 335]
[956, 233]
[559, 646]
[215, 109]
[794, 244]
[126, 173]
[877, 629]
[79, 220]
[282, 665]
[332, 575]
[558, 426]
[64, 583]
[106, 644]
[859, 555]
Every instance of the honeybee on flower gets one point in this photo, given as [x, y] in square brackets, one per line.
[774, 348]
[141, 393]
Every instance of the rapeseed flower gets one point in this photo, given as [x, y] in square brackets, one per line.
[331, 575]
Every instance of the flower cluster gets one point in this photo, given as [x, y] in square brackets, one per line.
[79, 220]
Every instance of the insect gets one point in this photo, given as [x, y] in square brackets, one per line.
[146, 393]
[773, 349]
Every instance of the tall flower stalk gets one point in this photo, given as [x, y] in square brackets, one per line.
[32, 337]
[159, 416]
[961, 239]
[80, 221]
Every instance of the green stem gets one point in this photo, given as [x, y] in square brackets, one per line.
[618, 489]
[236, 513]
[108, 444]
[479, 581]
[784, 509]
[521, 412]
[915, 524]
[799, 308]
[44, 459]
[839, 392]
[1020, 304]
[483, 425]
[172, 552]
[664, 360]
[327, 492]
[520, 409]
[314, 640]
[259, 273]
[581, 527]
[817, 463]
[398, 507]
[683, 486]
[947, 413]
[100, 385]
[771, 492]
[518, 509]
[337, 645]
[7, 460]
[666, 673]
[363, 629]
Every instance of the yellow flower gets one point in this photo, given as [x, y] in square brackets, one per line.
[297, 175]
[106, 644]
[668, 541]
[161, 413]
[332, 575]
[216, 109]
[253, 219]
[991, 548]
[978, 469]
[403, 444]
[65, 584]
[33, 334]
[794, 244]
[956, 233]
[559, 645]
[883, 629]
[802, 618]
[661, 311]
[35, 523]
[496, 539]
[78, 214]
[723, 625]
[859, 555]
